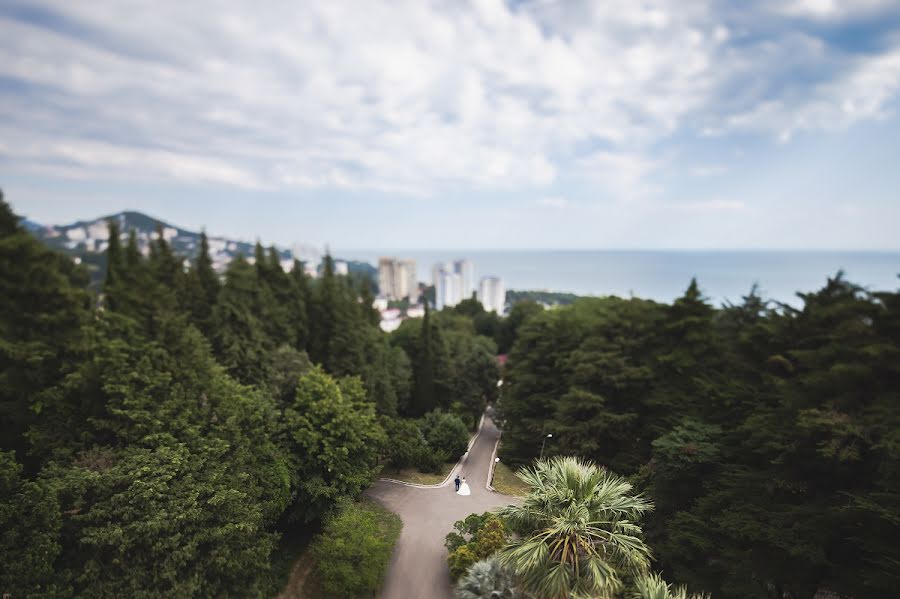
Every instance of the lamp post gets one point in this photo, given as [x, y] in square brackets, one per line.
[549, 436]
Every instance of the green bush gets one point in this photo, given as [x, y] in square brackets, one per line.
[445, 432]
[406, 445]
[476, 538]
[432, 460]
[353, 551]
[460, 561]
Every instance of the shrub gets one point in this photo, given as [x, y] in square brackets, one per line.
[406, 445]
[432, 460]
[486, 579]
[353, 550]
[460, 561]
[445, 432]
[475, 538]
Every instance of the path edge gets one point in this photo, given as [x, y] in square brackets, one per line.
[490, 476]
[453, 470]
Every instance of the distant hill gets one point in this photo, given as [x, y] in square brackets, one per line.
[86, 241]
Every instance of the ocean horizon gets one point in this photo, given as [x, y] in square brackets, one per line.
[663, 275]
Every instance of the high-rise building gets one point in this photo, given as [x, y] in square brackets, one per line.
[493, 295]
[448, 290]
[453, 283]
[467, 277]
[412, 280]
[436, 271]
[397, 279]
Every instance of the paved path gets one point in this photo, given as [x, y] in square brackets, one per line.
[418, 568]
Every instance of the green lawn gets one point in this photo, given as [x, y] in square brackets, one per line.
[412, 475]
[506, 482]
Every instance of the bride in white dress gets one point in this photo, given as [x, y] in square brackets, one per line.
[464, 488]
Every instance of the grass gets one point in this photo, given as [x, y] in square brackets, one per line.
[389, 526]
[413, 475]
[506, 482]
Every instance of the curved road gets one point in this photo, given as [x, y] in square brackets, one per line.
[418, 567]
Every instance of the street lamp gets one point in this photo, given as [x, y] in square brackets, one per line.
[549, 436]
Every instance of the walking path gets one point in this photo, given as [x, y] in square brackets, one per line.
[418, 568]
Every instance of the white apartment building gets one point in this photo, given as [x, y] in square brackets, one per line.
[397, 279]
[492, 294]
[448, 291]
[453, 283]
[466, 272]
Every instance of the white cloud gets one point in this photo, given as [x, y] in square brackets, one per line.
[709, 170]
[713, 205]
[409, 97]
[831, 9]
[623, 174]
[557, 202]
[862, 92]
[399, 96]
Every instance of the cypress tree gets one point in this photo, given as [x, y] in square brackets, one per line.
[203, 288]
[206, 274]
[41, 328]
[301, 316]
[424, 399]
[115, 263]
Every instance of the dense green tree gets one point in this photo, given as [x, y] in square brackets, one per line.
[405, 443]
[471, 372]
[29, 534]
[286, 367]
[148, 469]
[446, 433]
[202, 289]
[42, 315]
[239, 339]
[335, 440]
[765, 434]
[424, 398]
[115, 262]
[337, 324]
[508, 329]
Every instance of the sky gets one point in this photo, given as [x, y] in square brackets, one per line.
[465, 124]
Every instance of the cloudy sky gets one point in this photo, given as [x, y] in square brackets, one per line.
[464, 124]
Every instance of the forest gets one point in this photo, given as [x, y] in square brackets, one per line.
[163, 438]
[173, 433]
[767, 437]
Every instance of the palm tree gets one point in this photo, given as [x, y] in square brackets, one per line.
[654, 587]
[579, 531]
[486, 579]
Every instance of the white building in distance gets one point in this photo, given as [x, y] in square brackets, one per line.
[397, 279]
[448, 291]
[466, 272]
[493, 295]
[453, 283]
[309, 255]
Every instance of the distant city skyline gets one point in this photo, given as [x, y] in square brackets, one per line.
[481, 125]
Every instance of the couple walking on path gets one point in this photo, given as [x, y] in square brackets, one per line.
[462, 488]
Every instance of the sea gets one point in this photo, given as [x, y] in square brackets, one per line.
[663, 275]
